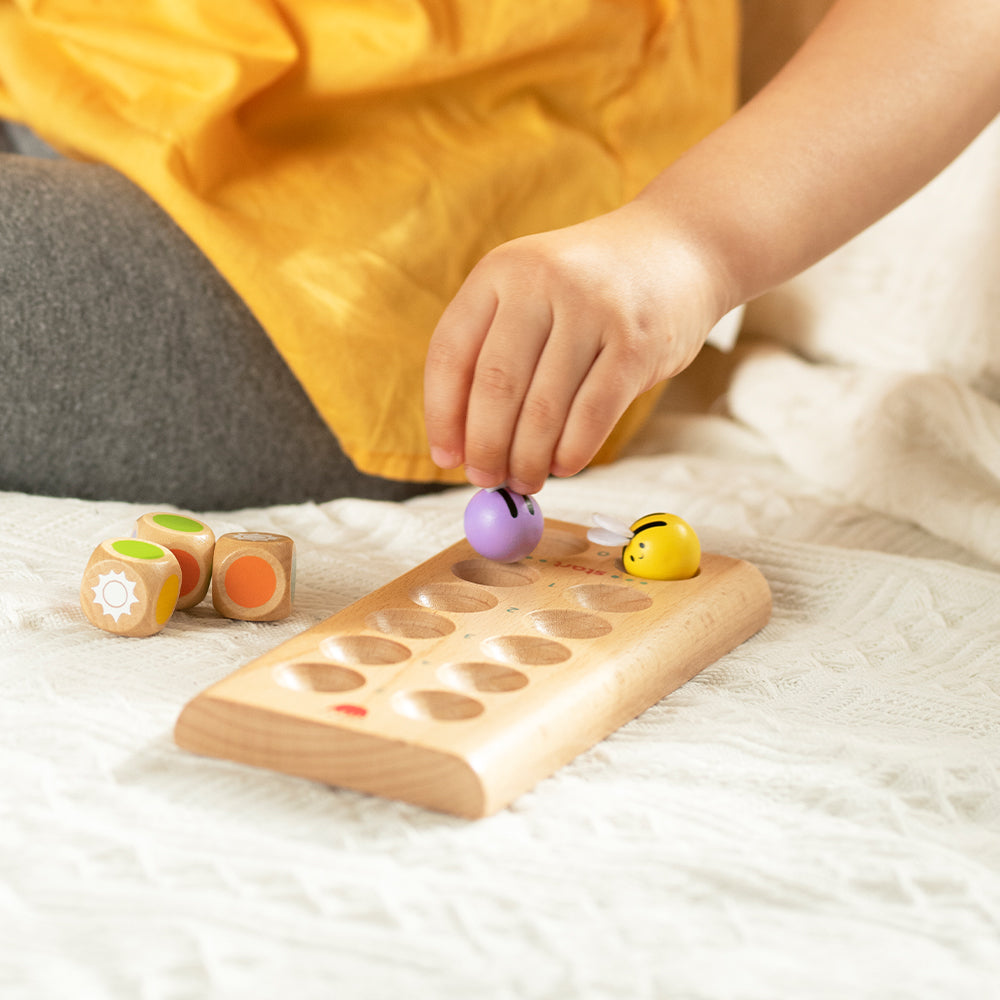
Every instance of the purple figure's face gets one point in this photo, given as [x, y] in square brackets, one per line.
[502, 525]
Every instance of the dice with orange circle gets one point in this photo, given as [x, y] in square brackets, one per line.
[130, 586]
[253, 576]
[193, 544]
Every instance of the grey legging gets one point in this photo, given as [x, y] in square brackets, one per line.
[129, 369]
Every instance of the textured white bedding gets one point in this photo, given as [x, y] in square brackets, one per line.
[815, 816]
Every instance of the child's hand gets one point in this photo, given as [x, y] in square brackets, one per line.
[552, 336]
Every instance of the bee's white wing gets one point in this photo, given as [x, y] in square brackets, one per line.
[608, 531]
[610, 523]
[599, 536]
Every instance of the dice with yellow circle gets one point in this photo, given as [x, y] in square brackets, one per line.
[193, 544]
[130, 586]
[253, 576]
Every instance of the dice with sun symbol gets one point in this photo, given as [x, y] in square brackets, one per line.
[193, 544]
[130, 586]
[253, 576]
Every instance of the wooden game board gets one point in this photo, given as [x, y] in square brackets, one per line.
[462, 683]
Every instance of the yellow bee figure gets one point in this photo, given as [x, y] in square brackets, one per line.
[656, 547]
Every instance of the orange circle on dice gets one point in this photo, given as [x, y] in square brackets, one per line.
[250, 581]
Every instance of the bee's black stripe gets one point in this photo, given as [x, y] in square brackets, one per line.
[651, 524]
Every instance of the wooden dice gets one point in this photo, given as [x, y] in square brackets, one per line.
[130, 586]
[253, 576]
[193, 544]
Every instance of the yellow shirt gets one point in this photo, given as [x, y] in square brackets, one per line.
[344, 163]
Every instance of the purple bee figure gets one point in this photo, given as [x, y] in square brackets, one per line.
[502, 525]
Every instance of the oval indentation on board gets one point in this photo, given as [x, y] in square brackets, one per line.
[608, 597]
[559, 545]
[437, 706]
[565, 623]
[317, 677]
[487, 573]
[410, 623]
[525, 650]
[488, 678]
[454, 597]
[363, 650]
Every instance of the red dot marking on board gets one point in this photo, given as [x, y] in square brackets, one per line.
[190, 570]
[357, 710]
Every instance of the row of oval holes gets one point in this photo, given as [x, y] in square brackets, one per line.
[423, 622]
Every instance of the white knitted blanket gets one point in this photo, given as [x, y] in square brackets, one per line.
[817, 815]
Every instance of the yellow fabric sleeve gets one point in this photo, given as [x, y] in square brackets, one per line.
[344, 163]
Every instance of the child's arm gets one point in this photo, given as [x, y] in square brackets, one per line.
[553, 335]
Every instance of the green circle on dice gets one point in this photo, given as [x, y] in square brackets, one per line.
[177, 522]
[137, 549]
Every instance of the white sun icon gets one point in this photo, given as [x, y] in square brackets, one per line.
[115, 593]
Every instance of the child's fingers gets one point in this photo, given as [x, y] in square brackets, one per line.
[562, 368]
[449, 370]
[598, 405]
[503, 372]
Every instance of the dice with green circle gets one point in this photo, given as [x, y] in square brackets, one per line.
[193, 544]
[130, 586]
